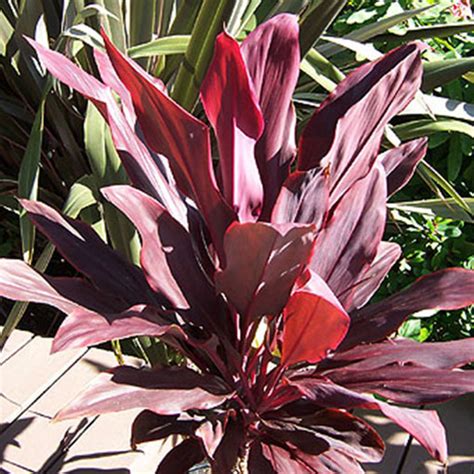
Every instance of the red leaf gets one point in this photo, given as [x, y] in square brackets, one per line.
[263, 263]
[272, 55]
[167, 391]
[184, 140]
[314, 324]
[182, 458]
[232, 109]
[342, 135]
[448, 289]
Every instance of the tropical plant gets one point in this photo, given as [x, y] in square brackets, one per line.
[259, 277]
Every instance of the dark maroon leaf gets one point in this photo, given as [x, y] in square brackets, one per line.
[263, 263]
[182, 458]
[230, 448]
[342, 136]
[423, 425]
[314, 324]
[409, 384]
[350, 239]
[435, 355]
[84, 328]
[346, 433]
[89, 254]
[257, 462]
[167, 391]
[167, 255]
[231, 106]
[18, 281]
[335, 462]
[303, 199]
[272, 55]
[400, 163]
[387, 255]
[448, 289]
[149, 426]
[184, 140]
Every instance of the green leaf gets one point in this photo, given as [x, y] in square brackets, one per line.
[447, 208]
[28, 179]
[424, 127]
[437, 73]
[371, 31]
[85, 34]
[209, 23]
[107, 170]
[316, 21]
[424, 32]
[455, 157]
[161, 46]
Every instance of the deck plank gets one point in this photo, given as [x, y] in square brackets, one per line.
[14, 344]
[31, 372]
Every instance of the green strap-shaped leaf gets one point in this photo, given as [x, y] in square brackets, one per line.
[437, 73]
[209, 23]
[161, 47]
[315, 22]
[28, 179]
[424, 127]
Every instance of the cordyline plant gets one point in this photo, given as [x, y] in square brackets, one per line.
[259, 276]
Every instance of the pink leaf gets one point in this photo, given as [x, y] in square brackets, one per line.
[231, 107]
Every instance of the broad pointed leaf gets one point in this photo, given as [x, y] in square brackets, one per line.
[314, 324]
[452, 288]
[400, 163]
[341, 136]
[168, 391]
[263, 263]
[231, 106]
[182, 458]
[272, 55]
[184, 140]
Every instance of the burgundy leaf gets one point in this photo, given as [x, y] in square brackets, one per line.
[387, 255]
[342, 136]
[400, 163]
[263, 263]
[448, 289]
[303, 199]
[184, 140]
[314, 324]
[350, 239]
[167, 391]
[232, 109]
[257, 462]
[283, 460]
[88, 253]
[84, 328]
[346, 433]
[409, 384]
[434, 355]
[182, 458]
[149, 426]
[424, 425]
[167, 257]
[336, 462]
[230, 448]
[142, 169]
[272, 55]
[18, 281]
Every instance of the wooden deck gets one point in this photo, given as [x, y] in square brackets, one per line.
[35, 385]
